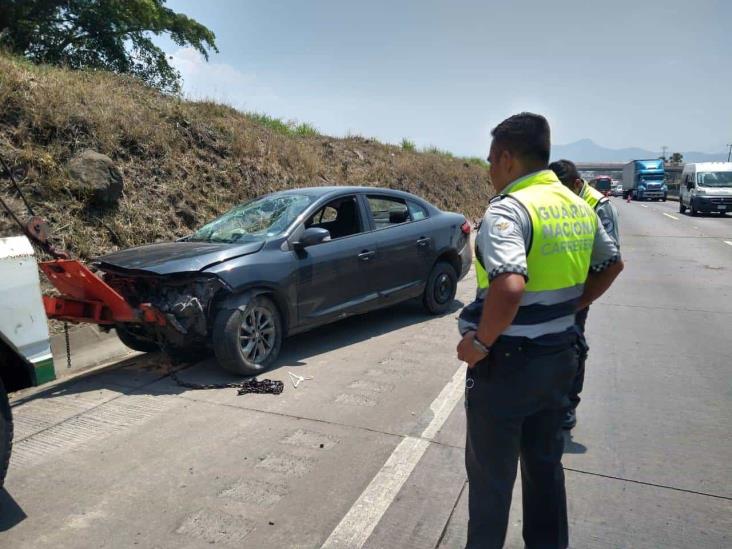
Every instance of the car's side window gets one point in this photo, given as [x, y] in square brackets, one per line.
[416, 211]
[340, 217]
[388, 211]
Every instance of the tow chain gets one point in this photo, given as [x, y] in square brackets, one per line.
[68, 345]
[265, 386]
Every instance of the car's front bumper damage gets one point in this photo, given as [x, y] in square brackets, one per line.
[185, 301]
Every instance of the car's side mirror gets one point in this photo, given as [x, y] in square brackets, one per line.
[310, 237]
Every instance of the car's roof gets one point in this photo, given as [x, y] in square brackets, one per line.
[322, 191]
[709, 166]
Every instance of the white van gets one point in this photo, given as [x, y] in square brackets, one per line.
[706, 187]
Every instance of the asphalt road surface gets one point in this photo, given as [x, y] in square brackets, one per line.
[369, 452]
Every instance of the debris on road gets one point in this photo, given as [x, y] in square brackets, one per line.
[296, 379]
[264, 386]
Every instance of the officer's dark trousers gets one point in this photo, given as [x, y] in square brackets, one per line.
[515, 409]
[579, 380]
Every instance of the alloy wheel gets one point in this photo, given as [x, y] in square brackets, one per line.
[257, 334]
[443, 288]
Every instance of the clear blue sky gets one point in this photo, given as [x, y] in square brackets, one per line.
[624, 73]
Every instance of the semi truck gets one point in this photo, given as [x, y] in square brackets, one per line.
[602, 183]
[645, 180]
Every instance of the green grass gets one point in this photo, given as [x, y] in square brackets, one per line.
[306, 130]
[434, 150]
[289, 128]
[477, 161]
[408, 145]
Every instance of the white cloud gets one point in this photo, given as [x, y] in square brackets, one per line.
[221, 82]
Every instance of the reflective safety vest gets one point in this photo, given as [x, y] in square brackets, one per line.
[558, 256]
[591, 195]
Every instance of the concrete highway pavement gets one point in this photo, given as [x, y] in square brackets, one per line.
[370, 451]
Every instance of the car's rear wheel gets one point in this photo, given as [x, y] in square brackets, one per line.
[441, 287]
[6, 433]
[248, 340]
[133, 338]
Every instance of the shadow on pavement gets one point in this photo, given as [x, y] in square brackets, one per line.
[10, 512]
[572, 447]
[139, 373]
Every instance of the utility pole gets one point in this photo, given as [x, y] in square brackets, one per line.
[664, 148]
[729, 154]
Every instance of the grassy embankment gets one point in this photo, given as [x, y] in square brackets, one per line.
[177, 155]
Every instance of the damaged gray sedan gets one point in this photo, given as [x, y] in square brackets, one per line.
[286, 263]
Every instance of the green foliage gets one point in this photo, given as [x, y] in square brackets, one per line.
[289, 128]
[306, 130]
[434, 150]
[477, 161]
[408, 145]
[677, 158]
[274, 124]
[112, 35]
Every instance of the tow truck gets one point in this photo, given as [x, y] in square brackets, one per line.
[80, 297]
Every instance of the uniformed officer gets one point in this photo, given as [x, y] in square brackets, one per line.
[567, 173]
[537, 243]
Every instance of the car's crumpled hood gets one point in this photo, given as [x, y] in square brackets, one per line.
[175, 257]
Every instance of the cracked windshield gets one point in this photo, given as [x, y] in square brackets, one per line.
[255, 221]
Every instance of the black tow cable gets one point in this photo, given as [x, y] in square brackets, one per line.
[17, 190]
[251, 385]
[265, 386]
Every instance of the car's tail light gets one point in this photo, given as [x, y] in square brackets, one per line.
[465, 227]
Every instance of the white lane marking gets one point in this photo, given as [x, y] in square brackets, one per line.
[671, 216]
[643, 206]
[728, 242]
[360, 521]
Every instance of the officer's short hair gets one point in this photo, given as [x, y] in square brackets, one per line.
[566, 171]
[525, 135]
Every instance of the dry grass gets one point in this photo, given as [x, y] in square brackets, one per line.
[173, 152]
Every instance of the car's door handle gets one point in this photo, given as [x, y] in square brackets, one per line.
[366, 255]
[423, 242]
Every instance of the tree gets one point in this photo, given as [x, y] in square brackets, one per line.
[113, 35]
[677, 158]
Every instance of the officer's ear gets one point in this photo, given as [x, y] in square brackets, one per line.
[511, 161]
[578, 183]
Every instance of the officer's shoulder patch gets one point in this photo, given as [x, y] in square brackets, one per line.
[501, 227]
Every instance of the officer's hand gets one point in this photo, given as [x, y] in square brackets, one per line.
[467, 353]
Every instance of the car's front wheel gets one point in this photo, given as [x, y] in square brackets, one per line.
[247, 340]
[6, 433]
[441, 287]
[682, 208]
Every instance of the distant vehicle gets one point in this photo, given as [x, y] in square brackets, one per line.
[645, 180]
[602, 183]
[285, 263]
[706, 187]
[617, 190]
